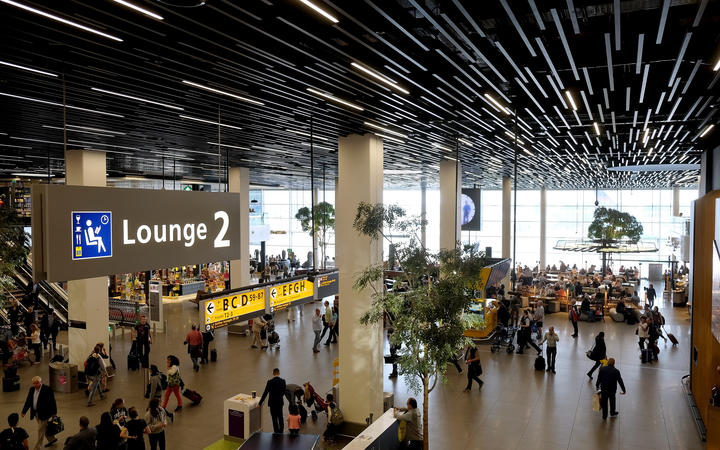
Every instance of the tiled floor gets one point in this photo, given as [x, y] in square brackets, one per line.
[517, 407]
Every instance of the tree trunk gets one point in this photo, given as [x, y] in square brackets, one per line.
[426, 408]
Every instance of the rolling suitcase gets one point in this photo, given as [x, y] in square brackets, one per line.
[133, 361]
[213, 355]
[672, 337]
[540, 363]
[11, 384]
[644, 355]
[193, 396]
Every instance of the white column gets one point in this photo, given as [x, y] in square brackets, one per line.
[506, 218]
[676, 201]
[239, 181]
[87, 298]
[423, 213]
[360, 170]
[317, 257]
[543, 227]
[450, 190]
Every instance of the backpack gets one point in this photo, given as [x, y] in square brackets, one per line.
[92, 366]
[336, 418]
[10, 440]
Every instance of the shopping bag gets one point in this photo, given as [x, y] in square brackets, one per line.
[596, 402]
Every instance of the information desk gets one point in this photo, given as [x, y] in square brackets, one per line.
[241, 416]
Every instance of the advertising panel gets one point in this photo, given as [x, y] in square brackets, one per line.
[83, 232]
[470, 210]
[235, 307]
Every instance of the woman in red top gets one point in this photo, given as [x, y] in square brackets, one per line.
[194, 341]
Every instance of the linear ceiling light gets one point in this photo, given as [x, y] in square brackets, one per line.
[465, 141]
[217, 91]
[382, 78]
[60, 19]
[139, 9]
[320, 11]
[17, 66]
[707, 130]
[717, 66]
[441, 147]
[302, 133]
[197, 119]
[140, 99]
[386, 130]
[37, 100]
[597, 128]
[645, 135]
[391, 139]
[229, 146]
[569, 96]
[335, 99]
[496, 103]
[78, 131]
[401, 172]
[94, 129]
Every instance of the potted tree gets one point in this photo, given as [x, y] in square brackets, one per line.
[610, 228]
[426, 305]
[324, 221]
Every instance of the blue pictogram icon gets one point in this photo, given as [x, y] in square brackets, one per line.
[91, 234]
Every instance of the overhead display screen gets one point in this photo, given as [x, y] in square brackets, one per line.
[470, 210]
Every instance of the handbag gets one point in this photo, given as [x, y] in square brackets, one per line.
[54, 426]
[596, 402]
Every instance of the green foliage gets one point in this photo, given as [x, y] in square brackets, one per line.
[12, 247]
[427, 312]
[324, 217]
[612, 226]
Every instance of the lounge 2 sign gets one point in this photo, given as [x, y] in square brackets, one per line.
[82, 232]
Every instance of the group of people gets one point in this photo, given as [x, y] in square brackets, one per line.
[27, 336]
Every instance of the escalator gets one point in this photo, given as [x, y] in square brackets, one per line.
[49, 295]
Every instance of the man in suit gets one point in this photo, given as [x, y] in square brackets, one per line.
[275, 388]
[608, 379]
[41, 403]
[83, 439]
[49, 329]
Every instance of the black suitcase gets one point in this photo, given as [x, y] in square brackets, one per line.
[644, 355]
[213, 355]
[133, 361]
[11, 384]
[540, 363]
[193, 396]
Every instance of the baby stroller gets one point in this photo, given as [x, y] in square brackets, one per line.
[312, 397]
[272, 337]
[19, 350]
[504, 337]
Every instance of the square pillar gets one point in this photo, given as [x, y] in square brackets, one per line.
[239, 181]
[450, 190]
[360, 173]
[88, 298]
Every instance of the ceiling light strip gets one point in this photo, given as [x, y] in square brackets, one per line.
[36, 100]
[680, 57]
[197, 119]
[29, 69]
[61, 20]
[320, 11]
[218, 91]
[335, 99]
[564, 41]
[550, 63]
[140, 99]
[380, 77]
[518, 27]
[608, 54]
[139, 9]
[663, 19]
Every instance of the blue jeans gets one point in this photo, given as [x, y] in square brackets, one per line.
[318, 338]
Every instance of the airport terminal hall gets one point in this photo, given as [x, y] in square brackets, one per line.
[511, 208]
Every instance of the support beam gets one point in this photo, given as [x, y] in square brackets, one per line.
[88, 307]
[239, 181]
[360, 173]
[423, 213]
[676, 201]
[543, 227]
[506, 218]
[450, 190]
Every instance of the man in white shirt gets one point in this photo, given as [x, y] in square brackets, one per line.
[552, 338]
[539, 317]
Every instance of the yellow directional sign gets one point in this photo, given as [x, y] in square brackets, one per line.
[237, 306]
[283, 295]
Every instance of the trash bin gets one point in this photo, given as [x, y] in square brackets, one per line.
[63, 377]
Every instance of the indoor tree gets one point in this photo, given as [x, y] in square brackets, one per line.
[610, 228]
[13, 251]
[427, 303]
[324, 220]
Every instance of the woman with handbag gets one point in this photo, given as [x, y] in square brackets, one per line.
[598, 353]
[175, 382]
[474, 369]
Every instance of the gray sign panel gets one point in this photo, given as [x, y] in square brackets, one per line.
[83, 232]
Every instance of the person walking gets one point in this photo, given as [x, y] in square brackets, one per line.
[174, 382]
[257, 326]
[317, 327]
[598, 353]
[194, 341]
[93, 374]
[608, 379]
[83, 439]
[275, 390]
[474, 369]
[157, 384]
[14, 437]
[142, 338]
[552, 338]
[14, 315]
[651, 295]
[332, 323]
[525, 335]
[35, 344]
[327, 318]
[49, 328]
[137, 428]
[28, 318]
[207, 337]
[157, 421]
[539, 318]
[574, 318]
[642, 332]
[411, 416]
[40, 401]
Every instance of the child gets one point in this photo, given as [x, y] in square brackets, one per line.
[294, 420]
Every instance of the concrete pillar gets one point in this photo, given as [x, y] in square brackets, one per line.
[360, 170]
[506, 218]
[676, 201]
[239, 181]
[423, 213]
[87, 298]
[450, 190]
[317, 251]
[543, 227]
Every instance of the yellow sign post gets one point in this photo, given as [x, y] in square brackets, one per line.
[220, 312]
[281, 296]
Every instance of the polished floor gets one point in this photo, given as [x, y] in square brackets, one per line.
[516, 408]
